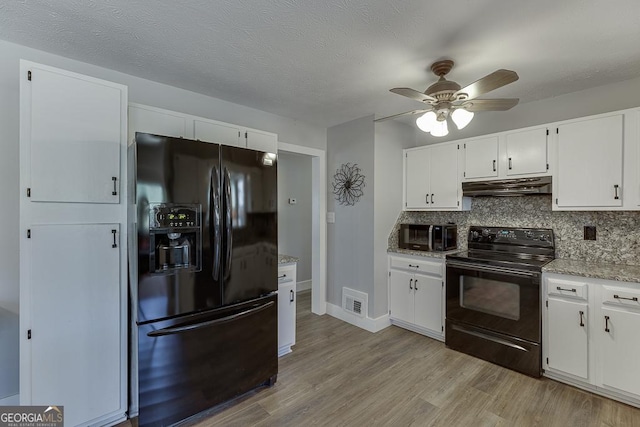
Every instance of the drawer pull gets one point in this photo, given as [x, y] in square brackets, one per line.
[629, 299]
[414, 266]
[606, 324]
[581, 318]
[282, 277]
[565, 289]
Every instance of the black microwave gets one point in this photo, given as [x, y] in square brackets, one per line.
[423, 237]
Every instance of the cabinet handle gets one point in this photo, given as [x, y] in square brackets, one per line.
[615, 189]
[581, 318]
[415, 284]
[432, 198]
[606, 324]
[282, 277]
[410, 283]
[291, 295]
[115, 186]
[510, 167]
[426, 198]
[628, 299]
[564, 289]
[494, 165]
[414, 266]
[115, 244]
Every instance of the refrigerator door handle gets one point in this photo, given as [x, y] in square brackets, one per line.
[228, 224]
[214, 220]
[195, 326]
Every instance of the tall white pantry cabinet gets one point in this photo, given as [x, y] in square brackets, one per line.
[73, 348]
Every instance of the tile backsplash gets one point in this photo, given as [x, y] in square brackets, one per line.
[618, 233]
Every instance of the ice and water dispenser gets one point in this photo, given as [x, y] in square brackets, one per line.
[175, 237]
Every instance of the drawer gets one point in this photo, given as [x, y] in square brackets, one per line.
[567, 288]
[286, 274]
[418, 266]
[621, 297]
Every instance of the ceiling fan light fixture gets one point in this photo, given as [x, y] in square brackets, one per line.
[427, 121]
[440, 128]
[461, 117]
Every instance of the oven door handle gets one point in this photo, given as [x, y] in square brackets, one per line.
[491, 269]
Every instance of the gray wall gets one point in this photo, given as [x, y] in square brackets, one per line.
[9, 354]
[294, 221]
[350, 238]
[618, 239]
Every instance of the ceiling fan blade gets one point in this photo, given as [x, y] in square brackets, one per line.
[413, 94]
[488, 83]
[490, 104]
[401, 114]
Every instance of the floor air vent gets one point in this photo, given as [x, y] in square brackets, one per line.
[354, 302]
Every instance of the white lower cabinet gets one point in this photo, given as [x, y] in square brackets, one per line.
[286, 308]
[591, 333]
[416, 294]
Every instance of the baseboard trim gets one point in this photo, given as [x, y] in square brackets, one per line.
[620, 397]
[366, 323]
[305, 285]
[13, 400]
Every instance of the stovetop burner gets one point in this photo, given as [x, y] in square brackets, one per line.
[523, 248]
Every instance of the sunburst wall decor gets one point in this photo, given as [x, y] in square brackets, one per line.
[347, 184]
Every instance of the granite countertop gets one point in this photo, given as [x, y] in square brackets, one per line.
[286, 259]
[620, 272]
[428, 254]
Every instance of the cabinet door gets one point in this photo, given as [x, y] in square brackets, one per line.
[416, 175]
[527, 152]
[156, 121]
[481, 158]
[216, 133]
[75, 136]
[590, 163]
[568, 337]
[75, 319]
[286, 317]
[444, 176]
[620, 350]
[428, 302]
[401, 295]
[262, 141]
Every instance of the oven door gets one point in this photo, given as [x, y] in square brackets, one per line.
[497, 299]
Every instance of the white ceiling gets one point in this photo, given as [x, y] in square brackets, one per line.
[330, 61]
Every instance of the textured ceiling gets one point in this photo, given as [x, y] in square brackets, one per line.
[330, 61]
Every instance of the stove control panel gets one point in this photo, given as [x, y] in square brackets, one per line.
[513, 236]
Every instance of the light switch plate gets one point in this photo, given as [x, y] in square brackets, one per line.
[331, 217]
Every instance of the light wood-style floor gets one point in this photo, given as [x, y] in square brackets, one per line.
[340, 375]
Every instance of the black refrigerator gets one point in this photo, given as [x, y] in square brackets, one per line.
[206, 301]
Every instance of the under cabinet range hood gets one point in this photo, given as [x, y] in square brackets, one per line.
[508, 187]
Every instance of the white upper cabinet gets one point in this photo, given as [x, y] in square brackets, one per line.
[262, 141]
[219, 133]
[526, 152]
[431, 178]
[156, 121]
[74, 126]
[590, 163]
[481, 158]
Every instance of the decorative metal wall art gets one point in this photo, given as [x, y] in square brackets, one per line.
[347, 184]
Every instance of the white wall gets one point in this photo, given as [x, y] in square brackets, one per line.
[9, 354]
[601, 99]
[390, 138]
[350, 238]
[294, 221]
[140, 91]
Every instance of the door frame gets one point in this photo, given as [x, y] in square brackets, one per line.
[318, 223]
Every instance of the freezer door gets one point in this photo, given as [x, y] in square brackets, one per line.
[250, 224]
[190, 364]
[178, 206]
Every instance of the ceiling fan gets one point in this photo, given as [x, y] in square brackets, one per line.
[446, 98]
